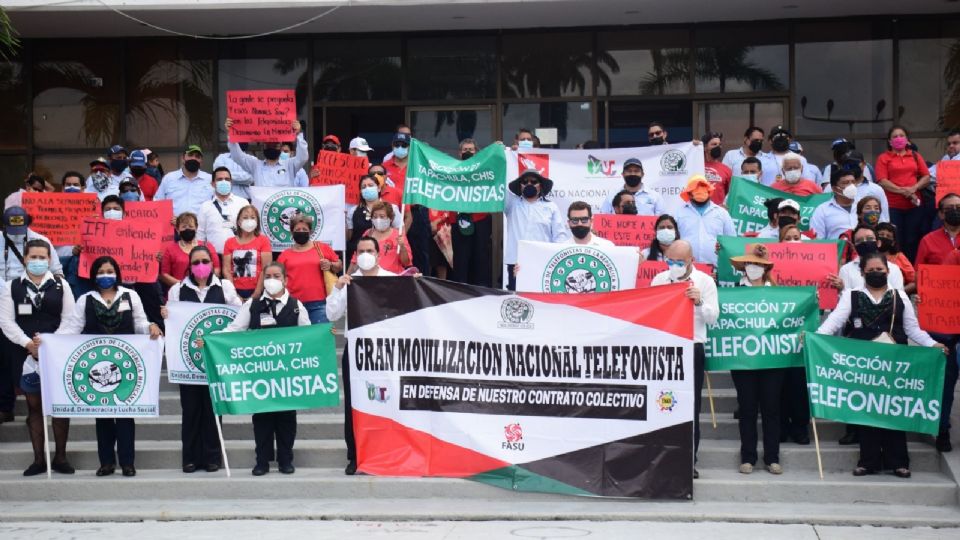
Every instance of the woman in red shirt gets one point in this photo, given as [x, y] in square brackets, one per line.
[903, 174]
[176, 255]
[247, 254]
[306, 261]
[394, 248]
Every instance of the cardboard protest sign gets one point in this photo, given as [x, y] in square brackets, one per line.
[948, 178]
[134, 243]
[158, 211]
[939, 305]
[58, 216]
[646, 270]
[337, 168]
[806, 264]
[625, 230]
[261, 115]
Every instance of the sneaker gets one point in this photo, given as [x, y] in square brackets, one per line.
[774, 468]
[746, 468]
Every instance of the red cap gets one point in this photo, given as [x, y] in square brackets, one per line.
[333, 138]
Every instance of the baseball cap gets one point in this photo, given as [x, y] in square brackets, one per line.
[838, 142]
[633, 161]
[789, 203]
[138, 159]
[779, 130]
[401, 137]
[15, 220]
[193, 148]
[99, 163]
[116, 149]
[360, 144]
[795, 147]
[334, 138]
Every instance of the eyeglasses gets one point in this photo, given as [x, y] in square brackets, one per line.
[583, 220]
[200, 261]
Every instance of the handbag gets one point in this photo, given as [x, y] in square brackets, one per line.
[329, 278]
[887, 337]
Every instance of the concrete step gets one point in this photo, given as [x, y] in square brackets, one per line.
[728, 428]
[725, 454]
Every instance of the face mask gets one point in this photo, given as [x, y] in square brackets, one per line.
[130, 196]
[284, 156]
[952, 217]
[783, 221]
[38, 267]
[100, 180]
[117, 166]
[155, 172]
[750, 176]
[137, 172]
[666, 236]
[224, 187]
[850, 192]
[629, 209]
[871, 217]
[875, 280]
[301, 237]
[380, 224]
[792, 176]
[273, 286]
[271, 154]
[525, 144]
[529, 191]
[656, 141]
[632, 180]
[248, 225]
[360, 153]
[888, 245]
[780, 144]
[366, 261]
[580, 231]
[191, 165]
[466, 155]
[400, 152]
[753, 271]
[187, 235]
[71, 189]
[106, 281]
[898, 143]
[755, 146]
[370, 193]
[677, 269]
[202, 270]
[113, 213]
[715, 152]
[866, 248]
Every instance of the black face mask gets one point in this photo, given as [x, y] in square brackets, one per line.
[875, 280]
[633, 180]
[629, 209]
[755, 146]
[187, 235]
[656, 141]
[466, 155]
[952, 217]
[783, 221]
[780, 144]
[118, 165]
[866, 248]
[301, 237]
[137, 172]
[888, 245]
[715, 152]
[191, 165]
[529, 191]
[272, 153]
[580, 231]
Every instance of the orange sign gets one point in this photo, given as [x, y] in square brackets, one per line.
[625, 230]
[158, 211]
[261, 115]
[948, 178]
[939, 289]
[58, 216]
[805, 264]
[335, 168]
[133, 243]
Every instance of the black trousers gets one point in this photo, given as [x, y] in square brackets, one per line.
[950, 376]
[512, 279]
[119, 433]
[282, 426]
[11, 368]
[347, 409]
[794, 402]
[882, 449]
[758, 390]
[198, 428]
[699, 357]
[151, 295]
[471, 254]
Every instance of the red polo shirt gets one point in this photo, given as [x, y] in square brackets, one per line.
[904, 171]
[803, 187]
[398, 175]
[935, 246]
[719, 175]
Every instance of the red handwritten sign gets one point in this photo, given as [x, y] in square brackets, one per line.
[335, 168]
[625, 230]
[261, 115]
[134, 243]
[939, 289]
[58, 216]
[948, 178]
[805, 264]
[646, 270]
[159, 211]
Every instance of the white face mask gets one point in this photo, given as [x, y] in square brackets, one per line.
[666, 236]
[248, 225]
[366, 261]
[273, 286]
[677, 272]
[113, 214]
[381, 224]
[850, 192]
[754, 271]
[749, 176]
[792, 176]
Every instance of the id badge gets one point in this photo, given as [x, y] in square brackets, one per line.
[857, 323]
[267, 320]
[124, 306]
[24, 309]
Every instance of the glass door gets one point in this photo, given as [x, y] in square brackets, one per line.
[444, 127]
[732, 118]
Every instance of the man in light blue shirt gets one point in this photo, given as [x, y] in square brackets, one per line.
[752, 147]
[239, 177]
[187, 187]
[701, 221]
[836, 216]
[271, 171]
[530, 216]
[649, 203]
[865, 188]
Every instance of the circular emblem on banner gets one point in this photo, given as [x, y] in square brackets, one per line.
[206, 321]
[673, 162]
[285, 204]
[666, 401]
[516, 311]
[580, 269]
[104, 371]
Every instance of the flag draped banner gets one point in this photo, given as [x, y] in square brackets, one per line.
[874, 384]
[572, 268]
[577, 394]
[441, 182]
[115, 376]
[325, 205]
[745, 204]
[186, 322]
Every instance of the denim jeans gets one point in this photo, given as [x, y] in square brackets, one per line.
[317, 311]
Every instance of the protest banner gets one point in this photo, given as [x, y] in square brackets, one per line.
[938, 306]
[159, 211]
[646, 271]
[339, 169]
[115, 376]
[625, 230]
[746, 199]
[58, 216]
[760, 327]
[948, 179]
[874, 384]
[275, 369]
[261, 115]
[572, 268]
[134, 243]
[325, 205]
[187, 322]
[441, 182]
[574, 394]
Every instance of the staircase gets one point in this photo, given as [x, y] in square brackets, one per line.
[319, 489]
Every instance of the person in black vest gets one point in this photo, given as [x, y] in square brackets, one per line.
[198, 431]
[106, 310]
[275, 308]
[32, 304]
[876, 312]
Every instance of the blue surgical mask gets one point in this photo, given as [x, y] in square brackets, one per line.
[400, 151]
[71, 189]
[284, 156]
[38, 267]
[106, 281]
[130, 196]
[224, 187]
[525, 144]
[370, 193]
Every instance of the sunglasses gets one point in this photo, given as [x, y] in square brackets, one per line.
[583, 220]
[529, 182]
[200, 261]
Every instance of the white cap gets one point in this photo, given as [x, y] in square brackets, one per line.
[360, 144]
[789, 203]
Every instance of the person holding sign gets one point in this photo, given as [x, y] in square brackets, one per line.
[877, 312]
[176, 255]
[865, 242]
[309, 265]
[36, 303]
[16, 234]
[667, 233]
[394, 248]
[530, 216]
[271, 171]
[702, 221]
[246, 254]
[580, 220]
[110, 309]
[648, 203]
[359, 216]
[275, 308]
[198, 433]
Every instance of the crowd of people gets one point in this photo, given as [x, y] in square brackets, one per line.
[885, 213]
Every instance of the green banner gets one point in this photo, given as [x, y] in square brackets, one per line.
[732, 246]
[759, 327]
[441, 182]
[275, 369]
[745, 204]
[874, 384]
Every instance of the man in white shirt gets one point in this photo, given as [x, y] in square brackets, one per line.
[217, 219]
[580, 220]
[271, 171]
[530, 216]
[187, 187]
[836, 216]
[701, 220]
[865, 241]
[703, 292]
[648, 203]
[16, 234]
[953, 152]
[753, 147]
[866, 188]
[240, 178]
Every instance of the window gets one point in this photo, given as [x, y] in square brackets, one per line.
[651, 62]
[574, 121]
[13, 106]
[356, 69]
[375, 124]
[754, 58]
[629, 120]
[546, 65]
[452, 68]
[925, 99]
